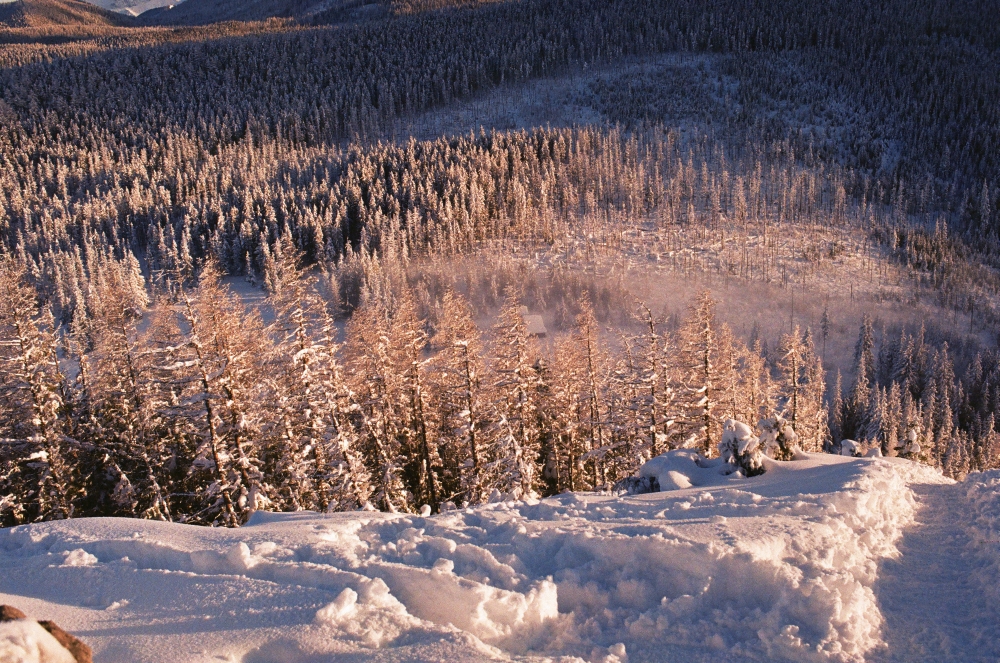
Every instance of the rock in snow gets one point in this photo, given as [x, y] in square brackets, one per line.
[715, 567]
[23, 640]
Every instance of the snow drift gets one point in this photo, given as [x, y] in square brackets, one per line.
[721, 568]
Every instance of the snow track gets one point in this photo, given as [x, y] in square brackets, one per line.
[938, 598]
[778, 567]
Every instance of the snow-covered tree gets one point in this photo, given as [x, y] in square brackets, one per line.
[374, 349]
[516, 400]
[740, 448]
[37, 457]
[801, 389]
[126, 430]
[698, 375]
[214, 373]
[312, 450]
[468, 421]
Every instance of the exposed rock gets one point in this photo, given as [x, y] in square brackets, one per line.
[80, 651]
[9, 613]
[76, 647]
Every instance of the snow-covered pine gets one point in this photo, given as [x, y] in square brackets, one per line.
[593, 375]
[857, 406]
[469, 428]
[757, 387]
[814, 430]
[215, 370]
[778, 439]
[516, 400]
[311, 448]
[423, 465]
[658, 383]
[698, 374]
[126, 428]
[801, 389]
[37, 457]
[628, 405]
[378, 389]
[835, 410]
[563, 380]
[741, 449]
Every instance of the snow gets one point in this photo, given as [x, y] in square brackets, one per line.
[781, 566]
[850, 448]
[686, 468]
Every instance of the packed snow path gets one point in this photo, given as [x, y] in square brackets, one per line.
[783, 566]
[933, 599]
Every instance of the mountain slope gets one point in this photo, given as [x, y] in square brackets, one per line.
[45, 13]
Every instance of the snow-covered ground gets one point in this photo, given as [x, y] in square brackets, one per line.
[795, 564]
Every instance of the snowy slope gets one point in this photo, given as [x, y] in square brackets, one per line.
[781, 566]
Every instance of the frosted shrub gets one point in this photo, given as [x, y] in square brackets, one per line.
[741, 448]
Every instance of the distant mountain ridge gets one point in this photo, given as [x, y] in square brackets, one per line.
[45, 13]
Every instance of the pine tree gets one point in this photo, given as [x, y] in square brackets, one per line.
[378, 385]
[698, 372]
[864, 349]
[420, 448]
[312, 451]
[216, 369]
[39, 460]
[854, 417]
[756, 385]
[835, 412]
[468, 426]
[813, 428]
[825, 325]
[791, 363]
[656, 381]
[517, 400]
[126, 431]
[593, 376]
[565, 388]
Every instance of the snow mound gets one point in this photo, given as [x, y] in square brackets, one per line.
[685, 468]
[719, 568]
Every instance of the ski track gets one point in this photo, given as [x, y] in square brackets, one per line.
[934, 605]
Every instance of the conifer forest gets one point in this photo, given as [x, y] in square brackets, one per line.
[405, 255]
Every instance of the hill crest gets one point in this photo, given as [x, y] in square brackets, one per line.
[45, 13]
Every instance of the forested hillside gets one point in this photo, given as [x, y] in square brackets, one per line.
[51, 13]
[843, 155]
